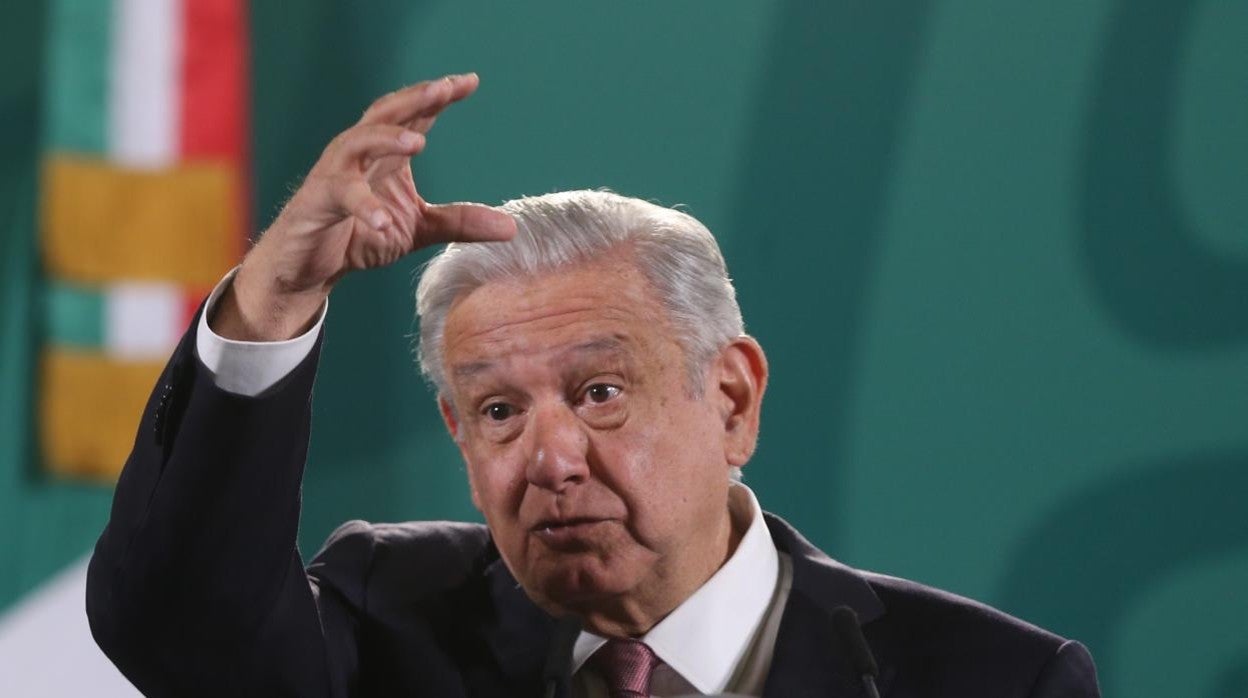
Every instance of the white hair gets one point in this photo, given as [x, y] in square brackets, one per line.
[676, 254]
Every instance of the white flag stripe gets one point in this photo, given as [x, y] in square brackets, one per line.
[142, 320]
[145, 83]
[46, 648]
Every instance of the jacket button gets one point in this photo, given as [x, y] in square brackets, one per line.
[159, 420]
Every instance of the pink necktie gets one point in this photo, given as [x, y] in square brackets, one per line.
[626, 665]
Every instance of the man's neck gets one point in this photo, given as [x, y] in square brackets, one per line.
[634, 614]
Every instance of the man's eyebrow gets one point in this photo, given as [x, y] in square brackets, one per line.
[608, 345]
[612, 344]
[471, 369]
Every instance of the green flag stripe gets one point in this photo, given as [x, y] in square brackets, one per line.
[79, 38]
[74, 316]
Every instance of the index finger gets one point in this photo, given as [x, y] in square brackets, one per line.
[423, 99]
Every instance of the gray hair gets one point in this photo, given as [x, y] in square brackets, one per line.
[673, 251]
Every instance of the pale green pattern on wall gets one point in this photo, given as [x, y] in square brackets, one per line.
[997, 253]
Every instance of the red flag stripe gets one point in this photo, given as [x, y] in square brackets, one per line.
[212, 79]
[215, 94]
[191, 298]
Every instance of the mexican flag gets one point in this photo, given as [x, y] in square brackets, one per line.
[142, 206]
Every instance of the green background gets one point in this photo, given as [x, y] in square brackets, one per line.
[997, 253]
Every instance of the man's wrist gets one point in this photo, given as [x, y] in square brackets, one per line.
[251, 309]
[244, 367]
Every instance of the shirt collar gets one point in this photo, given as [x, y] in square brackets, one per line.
[708, 634]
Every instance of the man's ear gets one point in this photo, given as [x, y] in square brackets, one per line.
[453, 426]
[448, 417]
[742, 381]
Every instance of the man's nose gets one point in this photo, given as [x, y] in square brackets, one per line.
[559, 448]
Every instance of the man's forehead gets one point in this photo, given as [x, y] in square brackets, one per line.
[610, 293]
[593, 309]
[614, 347]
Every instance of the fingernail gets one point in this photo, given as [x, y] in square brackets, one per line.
[380, 219]
[409, 139]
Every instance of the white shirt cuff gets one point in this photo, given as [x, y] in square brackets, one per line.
[249, 368]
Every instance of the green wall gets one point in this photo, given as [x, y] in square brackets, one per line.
[997, 253]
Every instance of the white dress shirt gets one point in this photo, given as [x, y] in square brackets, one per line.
[720, 639]
[249, 368]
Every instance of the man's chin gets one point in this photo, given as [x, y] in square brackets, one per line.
[573, 586]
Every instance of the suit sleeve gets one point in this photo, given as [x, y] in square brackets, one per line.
[1070, 673]
[196, 586]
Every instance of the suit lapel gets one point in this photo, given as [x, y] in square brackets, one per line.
[810, 659]
[521, 633]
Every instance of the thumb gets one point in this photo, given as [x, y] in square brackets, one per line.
[467, 223]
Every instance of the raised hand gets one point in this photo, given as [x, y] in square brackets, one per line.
[358, 208]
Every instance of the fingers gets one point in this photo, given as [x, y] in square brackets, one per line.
[420, 102]
[394, 126]
[359, 200]
[364, 144]
[467, 223]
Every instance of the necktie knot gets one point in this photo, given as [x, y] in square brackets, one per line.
[626, 665]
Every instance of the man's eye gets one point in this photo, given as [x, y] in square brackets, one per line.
[601, 392]
[499, 411]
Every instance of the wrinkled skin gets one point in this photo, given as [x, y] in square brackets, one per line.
[603, 479]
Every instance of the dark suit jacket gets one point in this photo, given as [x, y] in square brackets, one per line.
[197, 588]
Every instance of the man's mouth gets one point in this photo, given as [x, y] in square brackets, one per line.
[572, 521]
[567, 534]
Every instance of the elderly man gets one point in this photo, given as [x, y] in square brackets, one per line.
[590, 363]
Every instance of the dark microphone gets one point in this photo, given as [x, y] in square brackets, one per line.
[558, 665]
[846, 622]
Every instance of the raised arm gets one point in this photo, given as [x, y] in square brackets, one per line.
[196, 586]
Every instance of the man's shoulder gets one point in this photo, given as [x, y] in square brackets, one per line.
[943, 639]
[420, 557]
[884, 600]
[934, 616]
[924, 637]
[407, 537]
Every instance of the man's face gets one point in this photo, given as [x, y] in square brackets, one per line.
[603, 481]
